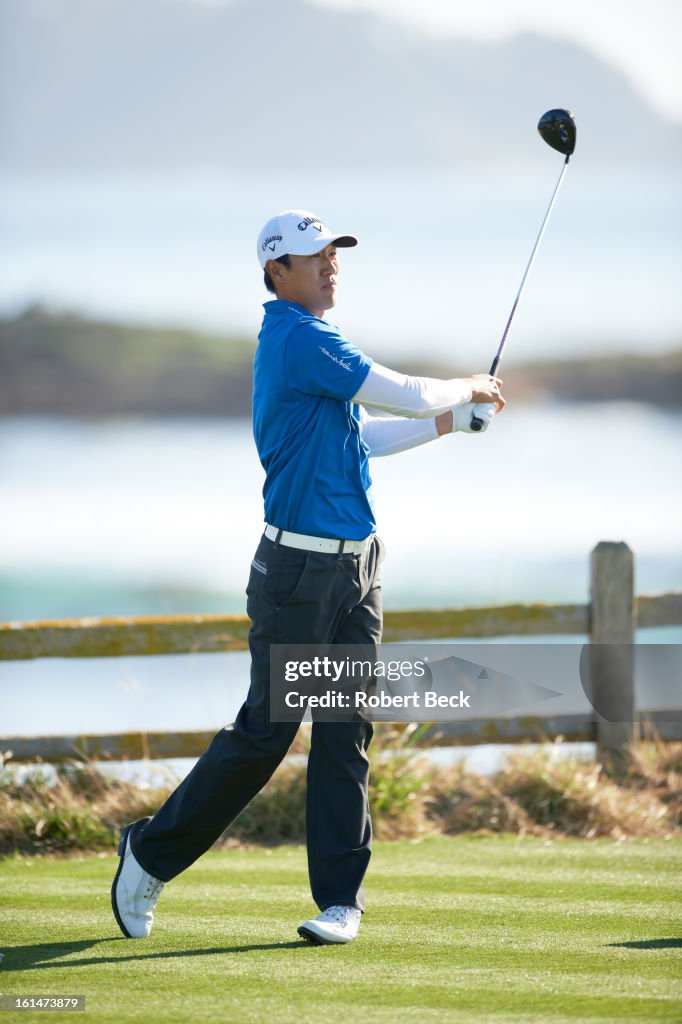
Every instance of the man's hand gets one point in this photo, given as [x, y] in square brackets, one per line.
[463, 414]
[485, 388]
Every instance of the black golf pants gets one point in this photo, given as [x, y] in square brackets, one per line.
[295, 597]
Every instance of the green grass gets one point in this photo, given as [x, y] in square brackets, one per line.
[463, 929]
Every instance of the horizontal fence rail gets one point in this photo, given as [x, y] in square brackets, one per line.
[195, 634]
[610, 618]
[135, 746]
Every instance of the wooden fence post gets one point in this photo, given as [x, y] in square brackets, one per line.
[612, 617]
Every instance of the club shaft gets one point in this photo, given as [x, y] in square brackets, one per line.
[477, 424]
[503, 342]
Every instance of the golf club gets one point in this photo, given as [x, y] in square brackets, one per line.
[557, 128]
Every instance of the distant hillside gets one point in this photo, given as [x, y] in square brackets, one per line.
[65, 365]
[272, 85]
[59, 364]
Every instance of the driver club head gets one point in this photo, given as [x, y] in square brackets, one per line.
[557, 128]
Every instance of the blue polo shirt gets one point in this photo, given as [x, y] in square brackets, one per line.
[307, 430]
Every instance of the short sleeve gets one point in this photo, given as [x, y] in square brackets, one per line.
[320, 361]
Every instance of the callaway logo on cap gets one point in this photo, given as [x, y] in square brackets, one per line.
[297, 233]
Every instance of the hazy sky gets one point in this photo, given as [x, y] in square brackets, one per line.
[641, 37]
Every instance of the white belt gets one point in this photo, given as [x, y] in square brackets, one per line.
[323, 544]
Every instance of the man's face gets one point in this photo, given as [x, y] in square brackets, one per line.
[310, 281]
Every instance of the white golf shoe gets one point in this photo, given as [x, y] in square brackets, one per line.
[134, 893]
[334, 925]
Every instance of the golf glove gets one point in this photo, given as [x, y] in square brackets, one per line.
[462, 416]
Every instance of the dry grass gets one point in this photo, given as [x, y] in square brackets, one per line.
[539, 794]
[536, 793]
[81, 809]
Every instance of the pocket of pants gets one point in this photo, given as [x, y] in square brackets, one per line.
[277, 574]
[286, 582]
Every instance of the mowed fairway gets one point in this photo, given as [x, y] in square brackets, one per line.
[462, 929]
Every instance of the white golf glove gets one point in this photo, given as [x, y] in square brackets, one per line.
[463, 414]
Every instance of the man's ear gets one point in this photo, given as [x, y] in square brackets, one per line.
[274, 269]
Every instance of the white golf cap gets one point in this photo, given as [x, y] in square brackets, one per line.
[297, 233]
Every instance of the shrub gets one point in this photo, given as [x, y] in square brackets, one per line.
[80, 808]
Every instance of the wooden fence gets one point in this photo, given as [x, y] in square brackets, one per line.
[610, 619]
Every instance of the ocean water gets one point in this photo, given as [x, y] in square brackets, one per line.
[483, 760]
[155, 517]
[439, 262]
[126, 517]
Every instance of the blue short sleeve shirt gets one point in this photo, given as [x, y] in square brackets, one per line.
[306, 428]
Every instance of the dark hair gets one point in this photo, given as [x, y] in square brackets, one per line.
[269, 284]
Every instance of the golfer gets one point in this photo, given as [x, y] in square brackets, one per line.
[314, 577]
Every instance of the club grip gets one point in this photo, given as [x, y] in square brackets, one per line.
[477, 424]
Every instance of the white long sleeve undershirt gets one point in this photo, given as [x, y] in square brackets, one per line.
[414, 397]
[387, 435]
